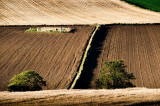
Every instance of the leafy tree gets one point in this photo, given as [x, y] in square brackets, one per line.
[26, 81]
[113, 75]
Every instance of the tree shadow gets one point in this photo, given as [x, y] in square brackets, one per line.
[91, 61]
[72, 31]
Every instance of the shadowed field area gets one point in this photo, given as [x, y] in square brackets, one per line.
[91, 61]
[137, 45]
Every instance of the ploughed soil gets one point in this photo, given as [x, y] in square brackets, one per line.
[55, 56]
[137, 45]
[129, 96]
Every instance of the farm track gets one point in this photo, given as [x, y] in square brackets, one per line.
[137, 45]
[55, 56]
[60, 12]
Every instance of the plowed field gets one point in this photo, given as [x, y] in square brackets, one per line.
[137, 45]
[55, 56]
[64, 12]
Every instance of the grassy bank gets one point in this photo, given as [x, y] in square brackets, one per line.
[84, 58]
[153, 5]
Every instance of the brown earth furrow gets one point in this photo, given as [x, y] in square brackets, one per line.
[50, 50]
[111, 48]
[40, 56]
[81, 39]
[10, 50]
[60, 60]
[132, 53]
[9, 37]
[150, 53]
[114, 55]
[138, 73]
[144, 57]
[154, 54]
[55, 56]
[16, 59]
[62, 57]
[138, 46]
[64, 62]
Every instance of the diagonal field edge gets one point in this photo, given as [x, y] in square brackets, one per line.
[84, 58]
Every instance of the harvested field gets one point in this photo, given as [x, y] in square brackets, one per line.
[64, 12]
[137, 45]
[117, 97]
[55, 56]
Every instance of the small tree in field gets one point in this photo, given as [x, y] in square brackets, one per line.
[26, 81]
[113, 75]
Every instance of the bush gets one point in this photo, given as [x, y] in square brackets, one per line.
[26, 81]
[113, 75]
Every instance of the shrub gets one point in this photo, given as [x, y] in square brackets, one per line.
[113, 75]
[26, 81]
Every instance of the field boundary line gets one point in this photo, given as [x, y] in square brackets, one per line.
[84, 58]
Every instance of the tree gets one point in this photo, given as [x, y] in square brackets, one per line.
[113, 75]
[26, 81]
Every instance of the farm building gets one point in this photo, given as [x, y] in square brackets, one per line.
[52, 29]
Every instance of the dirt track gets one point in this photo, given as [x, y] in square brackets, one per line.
[53, 12]
[137, 45]
[55, 56]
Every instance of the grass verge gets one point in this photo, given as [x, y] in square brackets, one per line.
[84, 58]
[153, 5]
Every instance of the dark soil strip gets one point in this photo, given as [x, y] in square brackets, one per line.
[147, 103]
[91, 62]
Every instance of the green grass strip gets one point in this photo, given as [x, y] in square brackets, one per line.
[153, 5]
[84, 58]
